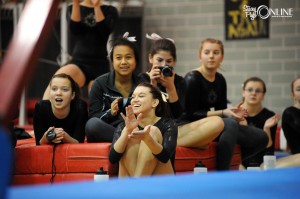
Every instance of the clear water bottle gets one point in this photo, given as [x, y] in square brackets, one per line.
[200, 168]
[101, 175]
[269, 162]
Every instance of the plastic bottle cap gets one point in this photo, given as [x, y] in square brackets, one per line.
[200, 164]
[101, 172]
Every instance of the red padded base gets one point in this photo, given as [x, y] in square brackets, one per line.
[77, 162]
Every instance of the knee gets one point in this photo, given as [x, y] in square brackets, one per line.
[90, 126]
[230, 124]
[218, 122]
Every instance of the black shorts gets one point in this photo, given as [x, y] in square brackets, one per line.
[92, 69]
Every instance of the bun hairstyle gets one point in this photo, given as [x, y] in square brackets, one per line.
[162, 109]
[160, 43]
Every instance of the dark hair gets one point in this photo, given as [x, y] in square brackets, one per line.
[124, 42]
[211, 40]
[255, 79]
[165, 45]
[74, 85]
[162, 109]
[292, 84]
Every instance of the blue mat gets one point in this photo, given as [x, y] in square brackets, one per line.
[277, 183]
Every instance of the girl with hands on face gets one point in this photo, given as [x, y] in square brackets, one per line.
[64, 112]
[145, 143]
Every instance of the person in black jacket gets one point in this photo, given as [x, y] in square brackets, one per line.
[65, 113]
[111, 92]
[145, 143]
[90, 23]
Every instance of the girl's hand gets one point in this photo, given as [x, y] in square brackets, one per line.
[96, 3]
[60, 135]
[76, 1]
[114, 107]
[272, 121]
[140, 134]
[155, 75]
[238, 113]
[131, 122]
[167, 81]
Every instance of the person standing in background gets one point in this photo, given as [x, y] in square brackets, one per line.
[91, 23]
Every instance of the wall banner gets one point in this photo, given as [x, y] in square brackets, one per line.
[246, 19]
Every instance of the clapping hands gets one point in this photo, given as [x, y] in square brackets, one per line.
[238, 112]
[131, 121]
[272, 121]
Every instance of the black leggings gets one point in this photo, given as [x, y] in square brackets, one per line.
[252, 140]
[97, 130]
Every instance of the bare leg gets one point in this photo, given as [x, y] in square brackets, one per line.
[288, 161]
[128, 161]
[72, 70]
[200, 133]
[138, 159]
[148, 164]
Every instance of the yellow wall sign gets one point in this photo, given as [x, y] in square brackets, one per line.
[246, 19]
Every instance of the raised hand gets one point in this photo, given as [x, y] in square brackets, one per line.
[155, 75]
[238, 112]
[96, 2]
[131, 121]
[272, 121]
[114, 107]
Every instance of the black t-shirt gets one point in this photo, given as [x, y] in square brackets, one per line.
[73, 124]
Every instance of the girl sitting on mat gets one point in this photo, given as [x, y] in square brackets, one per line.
[145, 143]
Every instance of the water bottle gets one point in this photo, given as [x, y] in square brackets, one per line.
[200, 168]
[269, 162]
[101, 175]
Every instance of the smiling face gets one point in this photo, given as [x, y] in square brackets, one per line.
[211, 55]
[124, 61]
[61, 93]
[142, 101]
[253, 92]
